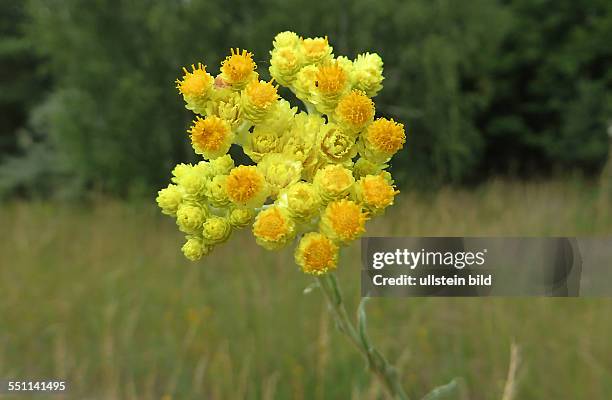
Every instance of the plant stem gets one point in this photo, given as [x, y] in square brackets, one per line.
[376, 362]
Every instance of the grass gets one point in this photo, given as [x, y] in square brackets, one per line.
[101, 296]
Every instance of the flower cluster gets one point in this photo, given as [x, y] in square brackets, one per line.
[318, 174]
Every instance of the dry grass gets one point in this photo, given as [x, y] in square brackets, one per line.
[102, 297]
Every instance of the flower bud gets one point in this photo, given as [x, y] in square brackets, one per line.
[285, 63]
[194, 249]
[241, 217]
[221, 165]
[216, 192]
[216, 230]
[375, 193]
[196, 88]
[337, 145]
[367, 73]
[333, 182]
[381, 140]
[316, 50]
[259, 99]
[190, 218]
[302, 201]
[169, 199]
[279, 171]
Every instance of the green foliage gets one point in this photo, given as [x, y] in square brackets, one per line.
[517, 86]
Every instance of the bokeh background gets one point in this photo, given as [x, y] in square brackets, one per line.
[507, 105]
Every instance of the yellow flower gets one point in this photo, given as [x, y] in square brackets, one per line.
[225, 104]
[179, 171]
[190, 218]
[196, 87]
[285, 63]
[279, 171]
[169, 199]
[238, 68]
[300, 143]
[222, 165]
[375, 193]
[273, 228]
[216, 230]
[302, 201]
[337, 145]
[211, 137]
[343, 221]
[216, 191]
[331, 82]
[304, 83]
[333, 182]
[259, 99]
[194, 182]
[240, 217]
[286, 39]
[355, 110]
[246, 186]
[367, 73]
[194, 248]
[382, 140]
[316, 254]
[316, 50]
[363, 167]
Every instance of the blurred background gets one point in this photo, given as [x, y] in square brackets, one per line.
[507, 106]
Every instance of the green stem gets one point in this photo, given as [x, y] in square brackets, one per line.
[376, 362]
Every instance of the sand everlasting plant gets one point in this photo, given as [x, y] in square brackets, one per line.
[317, 175]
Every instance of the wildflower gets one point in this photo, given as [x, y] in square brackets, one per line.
[240, 217]
[375, 193]
[169, 199]
[316, 50]
[285, 64]
[286, 39]
[179, 171]
[258, 100]
[273, 228]
[304, 84]
[343, 221]
[363, 167]
[331, 82]
[367, 73]
[355, 110]
[301, 141]
[337, 145]
[211, 137]
[196, 87]
[194, 248]
[246, 186]
[216, 192]
[238, 68]
[316, 254]
[302, 201]
[333, 182]
[194, 182]
[222, 165]
[190, 218]
[280, 171]
[216, 230]
[225, 104]
[382, 140]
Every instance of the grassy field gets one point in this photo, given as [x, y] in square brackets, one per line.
[102, 296]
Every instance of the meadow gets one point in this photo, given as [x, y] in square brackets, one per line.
[100, 295]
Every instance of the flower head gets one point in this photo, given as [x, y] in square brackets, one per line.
[241, 217]
[285, 64]
[211, 137]
[196, 87]
[286, 39]
[169, 199]
[382, 140]
[343, 221]
[216, 230]
[337, 145]
[367, 73]
[355, 110]
[375, 193]
[302, 201]
[333, 182]
[316, 254]
[190, 218]
[280, 171]
[258, 100]
[273, 228]
[238, 68]
[246, 186]
[216, 191]
[194, 248]
[331, 82]
[316, 50]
